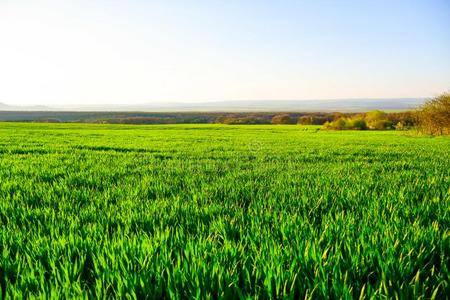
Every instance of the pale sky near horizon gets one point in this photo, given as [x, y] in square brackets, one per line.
[132, 52]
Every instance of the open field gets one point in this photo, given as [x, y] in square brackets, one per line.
[222, 211]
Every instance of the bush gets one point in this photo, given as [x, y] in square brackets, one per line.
[340, 124]
[400, 126]
[372, 120]
[375, 115]
[359, 124]
[381, 125]
[346, 123]
[378, 120]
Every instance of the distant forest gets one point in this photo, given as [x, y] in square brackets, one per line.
[306, 118]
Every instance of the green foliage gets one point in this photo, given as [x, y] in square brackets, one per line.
[400, 126]
[356, 123]
[381, 124]
[342, 123]
[376, 120]
[214, 211]
[375, 115]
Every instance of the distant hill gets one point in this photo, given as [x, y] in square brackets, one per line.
[6, 107]
[341, 105]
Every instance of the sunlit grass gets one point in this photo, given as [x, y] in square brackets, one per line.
[222, 211]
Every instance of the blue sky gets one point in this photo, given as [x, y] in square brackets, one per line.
[131, 52]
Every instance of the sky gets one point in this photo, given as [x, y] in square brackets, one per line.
[96, 52]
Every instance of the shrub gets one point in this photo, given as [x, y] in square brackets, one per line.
[377, 119]
[375, 115]
[400, 126]
[359, 124]
[381, 125]
[340, 124]
[346, 123]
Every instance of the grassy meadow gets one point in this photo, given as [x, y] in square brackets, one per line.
[216, 211]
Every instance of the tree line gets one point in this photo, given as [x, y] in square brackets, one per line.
[433, 117]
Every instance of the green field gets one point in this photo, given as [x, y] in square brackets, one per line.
[214, 211]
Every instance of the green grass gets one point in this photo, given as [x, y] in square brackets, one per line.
[211, 211]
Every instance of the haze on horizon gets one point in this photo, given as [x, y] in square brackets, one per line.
[133, 52]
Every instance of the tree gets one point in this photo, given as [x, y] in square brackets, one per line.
[381, 125]
[434, 116]
[359, 124]
[339, 124]
[305, 120]
[375, 115]
[377, 119]
[406, 118]
[281, 119]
